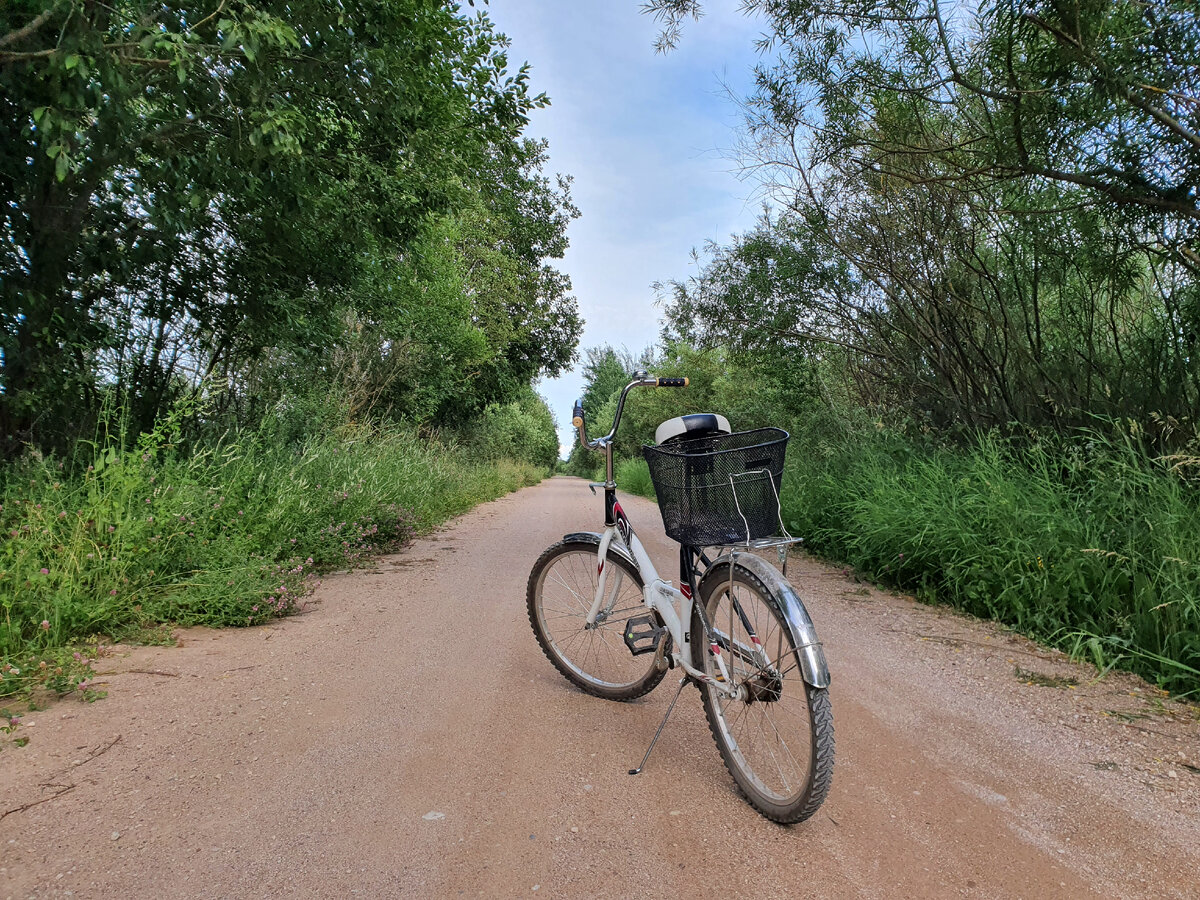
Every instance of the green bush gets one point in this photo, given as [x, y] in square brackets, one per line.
[1084, 542]
[633, 475]
[229, 534]
[523, 429]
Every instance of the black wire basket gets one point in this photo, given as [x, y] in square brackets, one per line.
[721, 489]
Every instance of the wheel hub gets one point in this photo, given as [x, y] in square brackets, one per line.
[765, 687]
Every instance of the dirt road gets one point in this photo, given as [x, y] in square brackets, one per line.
[405, 737]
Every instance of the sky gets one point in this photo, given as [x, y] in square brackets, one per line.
[647, 139]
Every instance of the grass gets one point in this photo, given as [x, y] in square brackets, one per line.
[1085, 543]
[633, 475]
[231, 534]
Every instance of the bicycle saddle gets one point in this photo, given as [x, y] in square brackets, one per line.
[696, 425]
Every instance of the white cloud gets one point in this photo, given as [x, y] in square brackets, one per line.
[644, 136]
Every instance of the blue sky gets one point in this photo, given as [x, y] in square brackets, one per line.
[646, 137]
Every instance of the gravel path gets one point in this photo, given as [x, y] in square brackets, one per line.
[405, 737]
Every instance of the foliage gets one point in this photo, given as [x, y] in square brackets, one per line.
[227, 534]
[521, 429]
[284, 264]
[1059, 538]
[747, 389]
[988, 213]
[258, 192]
[1090, 94]
[1082, 540]
[606, 371]
[983, 278]
[633, 475]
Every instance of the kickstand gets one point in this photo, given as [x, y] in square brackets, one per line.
[683, 682]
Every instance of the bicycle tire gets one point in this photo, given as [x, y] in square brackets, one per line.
[562, 585]
[759, 737]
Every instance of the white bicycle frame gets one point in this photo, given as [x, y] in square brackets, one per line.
[673, 606]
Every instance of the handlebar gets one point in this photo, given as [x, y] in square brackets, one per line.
[640, 379]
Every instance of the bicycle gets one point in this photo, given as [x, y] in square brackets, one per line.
[735, 627]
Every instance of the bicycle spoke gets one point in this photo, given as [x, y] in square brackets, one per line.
[595, 657]
[572, 591]
[767, 735]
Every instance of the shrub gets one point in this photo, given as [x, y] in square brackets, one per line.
[229, 534]
[1084, 542]
[633, 475]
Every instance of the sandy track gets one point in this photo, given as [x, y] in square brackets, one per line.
[405, 737]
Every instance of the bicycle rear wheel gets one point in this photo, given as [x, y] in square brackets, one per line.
[561, 589]
[776, 737]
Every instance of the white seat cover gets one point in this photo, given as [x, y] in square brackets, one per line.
[701, 423]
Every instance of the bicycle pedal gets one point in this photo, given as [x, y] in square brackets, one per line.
[642, 635]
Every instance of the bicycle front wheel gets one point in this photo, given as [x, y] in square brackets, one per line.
[561, 589]
[776, 736]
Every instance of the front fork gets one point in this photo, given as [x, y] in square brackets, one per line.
[601, 608]
[671, 604]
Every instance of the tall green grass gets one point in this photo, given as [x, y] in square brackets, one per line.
[1085, 543]
[633, 475]
[228, 534]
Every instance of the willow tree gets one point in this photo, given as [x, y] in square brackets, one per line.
[1013, 186]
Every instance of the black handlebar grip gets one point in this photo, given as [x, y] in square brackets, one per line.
[577, 414]
[672, 382]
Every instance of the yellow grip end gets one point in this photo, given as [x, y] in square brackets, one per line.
[685, 381]
[577, 421]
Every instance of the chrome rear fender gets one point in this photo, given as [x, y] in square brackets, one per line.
[799, 624]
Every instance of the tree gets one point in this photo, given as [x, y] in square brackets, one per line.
[1010, 189]
[605, 372]
[770, 290]
[186, 186]
[1090, 94]
[114, 121]
[523, 304]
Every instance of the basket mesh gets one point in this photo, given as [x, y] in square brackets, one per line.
[701, 484]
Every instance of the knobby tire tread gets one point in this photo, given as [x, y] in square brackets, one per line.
[820, 711]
